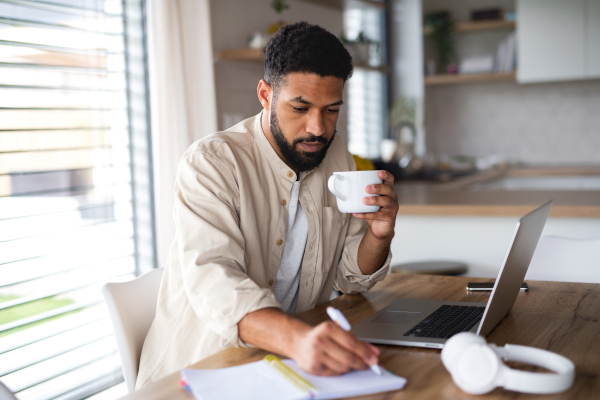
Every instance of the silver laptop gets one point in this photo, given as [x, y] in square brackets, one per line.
[429, 323]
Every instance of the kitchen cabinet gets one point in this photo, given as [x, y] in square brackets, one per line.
[558, 40]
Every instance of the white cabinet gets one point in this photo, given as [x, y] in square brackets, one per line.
[558, 40]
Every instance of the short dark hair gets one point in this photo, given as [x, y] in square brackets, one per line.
[305, 48]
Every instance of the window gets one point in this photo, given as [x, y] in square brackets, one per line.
[76, 206]
[367, 89]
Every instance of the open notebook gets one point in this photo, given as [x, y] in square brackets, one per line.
[270, 379]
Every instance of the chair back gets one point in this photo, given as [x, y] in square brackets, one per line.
[566, 260]
[6, 394]
[132, 307]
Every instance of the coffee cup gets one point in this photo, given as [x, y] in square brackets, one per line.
[350, 188]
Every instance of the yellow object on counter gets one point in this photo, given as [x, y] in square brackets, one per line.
[363, 164]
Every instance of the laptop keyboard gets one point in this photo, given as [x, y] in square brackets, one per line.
[447, 321]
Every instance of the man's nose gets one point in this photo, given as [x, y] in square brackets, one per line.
[316, 123]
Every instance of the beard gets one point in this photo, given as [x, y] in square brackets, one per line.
[297, 158]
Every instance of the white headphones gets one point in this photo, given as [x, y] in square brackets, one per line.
[476, 367]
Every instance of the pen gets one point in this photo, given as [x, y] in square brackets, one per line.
[337, 317]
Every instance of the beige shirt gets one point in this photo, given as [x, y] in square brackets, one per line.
[231, 197]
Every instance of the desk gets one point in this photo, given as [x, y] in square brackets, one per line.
[561, 317]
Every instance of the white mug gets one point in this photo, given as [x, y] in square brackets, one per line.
[350, 188]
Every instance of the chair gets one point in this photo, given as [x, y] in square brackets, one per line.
[5, 393]
[132, 307]
[566, 260]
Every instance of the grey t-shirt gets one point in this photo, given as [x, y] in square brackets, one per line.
[290, 265]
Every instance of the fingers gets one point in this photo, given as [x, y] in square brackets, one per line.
[348, 357]
[387, 200]
[374, 349]
[382, 190]
[382, 201]
[349, 350]
[332, 351]
[386, 177]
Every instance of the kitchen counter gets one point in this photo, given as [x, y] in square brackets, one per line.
[463, 197]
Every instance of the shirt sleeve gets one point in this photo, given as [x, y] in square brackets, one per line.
[349, 277]
[211, 246]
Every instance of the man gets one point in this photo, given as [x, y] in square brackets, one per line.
[259, 237]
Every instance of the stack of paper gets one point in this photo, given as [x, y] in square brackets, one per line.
[506, 56]
[259, 381]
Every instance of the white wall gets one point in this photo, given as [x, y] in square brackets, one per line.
[550, 123]
[480, 242]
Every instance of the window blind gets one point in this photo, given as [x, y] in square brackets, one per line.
[76, 205]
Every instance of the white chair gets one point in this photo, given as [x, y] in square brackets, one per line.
[132, 307]
[567, 260]
[5, 393]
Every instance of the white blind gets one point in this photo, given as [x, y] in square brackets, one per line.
[75, 188]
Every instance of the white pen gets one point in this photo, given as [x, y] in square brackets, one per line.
[337, 317]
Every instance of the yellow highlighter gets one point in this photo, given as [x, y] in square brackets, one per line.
[292, 377]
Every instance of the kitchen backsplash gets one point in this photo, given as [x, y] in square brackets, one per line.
[538, 124]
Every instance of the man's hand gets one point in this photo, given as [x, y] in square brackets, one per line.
[375, 244]
[382, 222]
[325, 349]
[329, 350]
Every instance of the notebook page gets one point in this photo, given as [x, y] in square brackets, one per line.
[253, 381]
[353, 383]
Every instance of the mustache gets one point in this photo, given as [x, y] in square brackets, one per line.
[312, 138]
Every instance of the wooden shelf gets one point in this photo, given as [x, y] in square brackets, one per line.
[484, 26]
[342, 4]
[449, 79]
[478, 26]
[255, 55]
[244, 54]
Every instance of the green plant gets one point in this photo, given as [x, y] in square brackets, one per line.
[279, 6]
[360, 38]
[359, 47]
[442, 34]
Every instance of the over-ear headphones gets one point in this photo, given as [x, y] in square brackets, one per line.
[476, 366]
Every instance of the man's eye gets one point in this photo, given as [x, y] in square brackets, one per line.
[332, 110]
[299, 109]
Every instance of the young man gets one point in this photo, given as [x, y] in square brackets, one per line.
[259, 237]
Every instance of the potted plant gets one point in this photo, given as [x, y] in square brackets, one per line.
[440, 28]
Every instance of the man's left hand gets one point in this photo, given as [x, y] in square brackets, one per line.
[382, 222]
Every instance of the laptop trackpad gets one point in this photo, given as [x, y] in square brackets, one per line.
[396, 317]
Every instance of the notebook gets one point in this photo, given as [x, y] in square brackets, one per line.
[273, 379]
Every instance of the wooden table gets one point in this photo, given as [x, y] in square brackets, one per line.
[557, 316]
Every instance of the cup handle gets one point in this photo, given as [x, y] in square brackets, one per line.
[332, 189]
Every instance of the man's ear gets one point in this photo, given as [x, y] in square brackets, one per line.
[264, 92]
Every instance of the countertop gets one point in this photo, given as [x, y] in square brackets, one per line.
[454, 198]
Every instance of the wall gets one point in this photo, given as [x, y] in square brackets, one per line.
[544, 124]
[549, 123]
[480, 242]
[232, 21]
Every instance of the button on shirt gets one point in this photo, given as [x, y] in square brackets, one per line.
[225, 257]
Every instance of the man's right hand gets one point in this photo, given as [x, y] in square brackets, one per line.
[325, 349]
[329, 350]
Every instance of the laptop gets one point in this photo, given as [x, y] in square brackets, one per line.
[429, 323]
